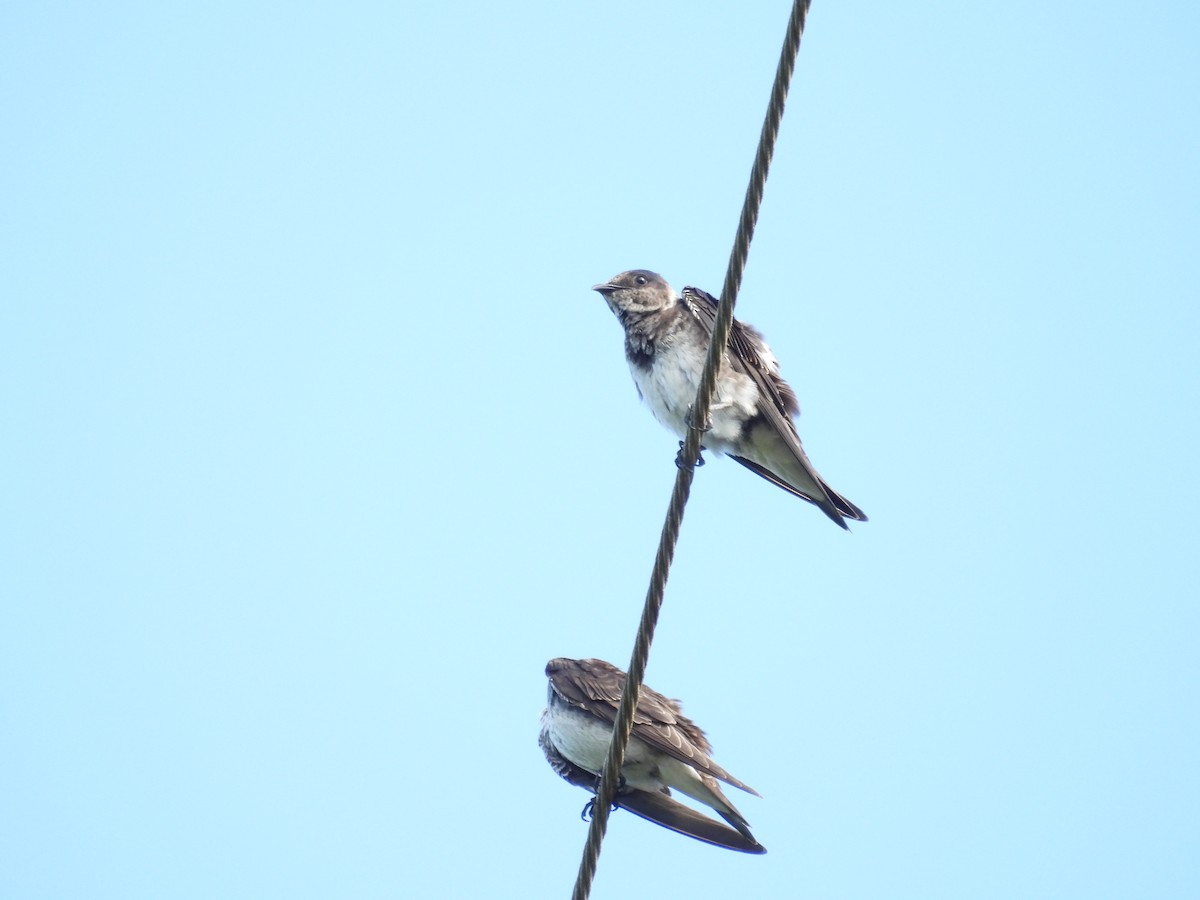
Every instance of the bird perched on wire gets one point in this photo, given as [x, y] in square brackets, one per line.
[751, 420]
[666, 750]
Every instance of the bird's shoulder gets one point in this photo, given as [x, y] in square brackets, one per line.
[596, 686]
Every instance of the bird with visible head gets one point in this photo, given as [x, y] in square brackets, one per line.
[753, 410]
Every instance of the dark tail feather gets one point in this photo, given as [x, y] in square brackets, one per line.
[739, 823]
[834, 505]
[662, 809]
[844, 506]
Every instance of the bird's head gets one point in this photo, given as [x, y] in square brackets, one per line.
[637, 292]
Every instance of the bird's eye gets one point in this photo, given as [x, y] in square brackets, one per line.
[640, 280]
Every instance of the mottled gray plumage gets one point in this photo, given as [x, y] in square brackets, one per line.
[666, 340]
[666, 750]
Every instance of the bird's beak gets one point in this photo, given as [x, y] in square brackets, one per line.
[605, 288]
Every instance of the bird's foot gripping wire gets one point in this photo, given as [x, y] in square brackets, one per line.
[696, 463]
[684, 463]
[589, 808]
[704, 426]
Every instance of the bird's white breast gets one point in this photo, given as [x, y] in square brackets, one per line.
[584, 739]
[669, 387]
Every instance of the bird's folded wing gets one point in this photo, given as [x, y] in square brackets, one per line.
[657, 720]
[745, 359]
[778, 407]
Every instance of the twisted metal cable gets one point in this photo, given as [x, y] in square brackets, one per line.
[623, 726]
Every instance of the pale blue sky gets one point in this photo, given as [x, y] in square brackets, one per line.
[318, 445]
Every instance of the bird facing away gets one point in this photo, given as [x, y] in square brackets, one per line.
[666, 750]
[751, 420]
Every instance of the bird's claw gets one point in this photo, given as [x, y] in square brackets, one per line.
[589, 808]
[706, 426]
[684, 463]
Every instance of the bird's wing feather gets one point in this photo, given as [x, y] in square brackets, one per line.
[745, 359]
[595, 686]
[778, 401]
[777, 409]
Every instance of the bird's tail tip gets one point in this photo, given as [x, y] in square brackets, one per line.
[843, 508]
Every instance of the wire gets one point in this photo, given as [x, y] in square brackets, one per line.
[686, 461]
